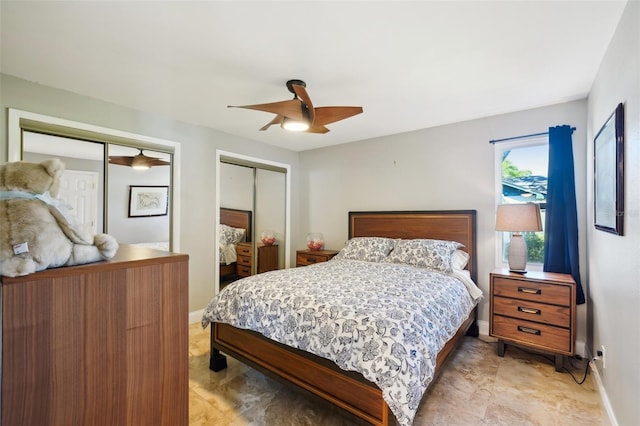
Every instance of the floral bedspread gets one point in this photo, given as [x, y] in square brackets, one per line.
[386, 321]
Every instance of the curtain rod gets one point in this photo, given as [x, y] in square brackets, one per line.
[523, 136]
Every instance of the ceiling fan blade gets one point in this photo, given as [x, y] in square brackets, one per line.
[120, 160]
[331, 114]
[140, 159]
[301, 92]
[317, 129]
[291, 108]
[277, 120]
[150, 161]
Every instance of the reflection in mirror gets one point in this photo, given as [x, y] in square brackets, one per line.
[262, 193]
[236, 193]
[142, 216]
[83, 186]
[270, 210]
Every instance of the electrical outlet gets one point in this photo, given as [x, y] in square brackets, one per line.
[601, 354]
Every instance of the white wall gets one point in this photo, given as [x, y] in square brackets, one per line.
[443, 168]
[198, 157]
[614, 261]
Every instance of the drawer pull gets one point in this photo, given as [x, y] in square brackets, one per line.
[245, 251]
[529, 290]
[311, 260]
[529, 330]
[529, 310]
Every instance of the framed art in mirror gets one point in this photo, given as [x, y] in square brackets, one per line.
[608, 174]
[147, 201]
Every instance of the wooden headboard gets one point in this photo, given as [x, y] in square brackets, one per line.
[451, 225]
[237, 219]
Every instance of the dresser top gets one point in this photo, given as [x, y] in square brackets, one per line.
[126, 254]
[536, 275]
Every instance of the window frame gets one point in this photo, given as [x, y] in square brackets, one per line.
[499, 148]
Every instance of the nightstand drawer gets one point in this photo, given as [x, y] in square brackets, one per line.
[535, 291]
[244, 260]
[244, 249]
[243, 271]
[539, 335]
[304, 259]
[533, 311]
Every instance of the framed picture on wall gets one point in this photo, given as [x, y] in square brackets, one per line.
[145, 201]
[608, 174]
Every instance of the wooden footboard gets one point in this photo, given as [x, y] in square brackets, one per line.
[318, 376]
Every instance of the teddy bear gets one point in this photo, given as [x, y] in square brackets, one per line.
[38, 231]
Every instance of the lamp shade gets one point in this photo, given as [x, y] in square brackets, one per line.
[518, 218]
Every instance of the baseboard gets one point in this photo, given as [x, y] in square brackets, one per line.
[603, 395]
[484, 327]
[195, 316]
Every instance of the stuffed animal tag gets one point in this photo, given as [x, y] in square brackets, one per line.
[21, 248]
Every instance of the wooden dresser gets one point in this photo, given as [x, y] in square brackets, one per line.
[309, 257]
[267, 259]
[536, 309]
[98, 344]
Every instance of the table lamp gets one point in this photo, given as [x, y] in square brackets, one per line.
[518, 218]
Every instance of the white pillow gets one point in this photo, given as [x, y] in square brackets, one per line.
[459, 259]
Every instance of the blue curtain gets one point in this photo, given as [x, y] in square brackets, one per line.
[561, 223]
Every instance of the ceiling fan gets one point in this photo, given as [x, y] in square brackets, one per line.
[139, 161]
[299, 114]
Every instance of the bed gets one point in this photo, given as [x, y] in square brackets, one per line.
[344, 387]
[237, 219]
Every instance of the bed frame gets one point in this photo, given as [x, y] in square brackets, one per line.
[237, 219]
[321, 377]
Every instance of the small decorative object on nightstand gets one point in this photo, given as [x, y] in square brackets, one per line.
[536, 310]
[315, 241]
[268, 237]
[309, 257]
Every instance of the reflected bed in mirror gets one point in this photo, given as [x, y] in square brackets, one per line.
[237, 219]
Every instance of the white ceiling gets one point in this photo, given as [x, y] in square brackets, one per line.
[410, 65]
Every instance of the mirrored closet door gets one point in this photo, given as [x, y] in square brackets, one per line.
[128, 197]
[258, 191]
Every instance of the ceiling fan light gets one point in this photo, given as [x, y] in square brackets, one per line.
[294, 125]
[139, 163]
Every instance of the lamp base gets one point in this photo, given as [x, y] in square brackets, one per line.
[518, 271]
[517, 254]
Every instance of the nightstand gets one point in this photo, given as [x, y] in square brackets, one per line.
[244, 254]
[267, 259]
[309, 257]
[536, 309]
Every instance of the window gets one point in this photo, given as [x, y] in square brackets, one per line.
[521, 177]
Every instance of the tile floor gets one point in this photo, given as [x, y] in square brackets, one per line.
[476, 388]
